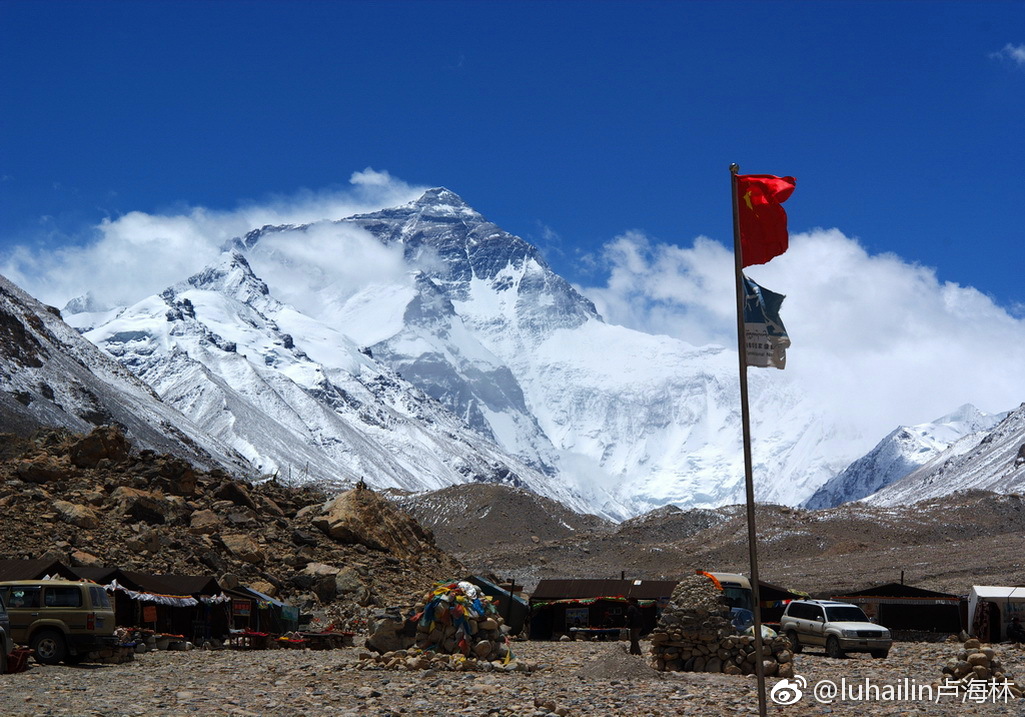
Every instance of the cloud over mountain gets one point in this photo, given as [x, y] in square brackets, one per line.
[876, 338]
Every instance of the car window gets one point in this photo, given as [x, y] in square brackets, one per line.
[63, 597]
[99, 597]
[801, 611]
[24, 597]
[847, 613]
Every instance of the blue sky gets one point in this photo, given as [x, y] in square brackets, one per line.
[567, 123]
[135, 137]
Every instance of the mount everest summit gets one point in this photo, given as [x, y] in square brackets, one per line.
[422, 345]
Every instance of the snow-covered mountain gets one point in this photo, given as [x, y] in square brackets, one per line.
[904, 450]
[479, 321]
[219, 347]
[990, 460]
[330, 349]
[51, 376]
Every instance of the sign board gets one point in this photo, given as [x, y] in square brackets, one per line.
[577, 617]
[242, 608]
[149, 613]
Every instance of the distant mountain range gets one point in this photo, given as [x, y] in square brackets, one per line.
[903, 451]
[422, 346]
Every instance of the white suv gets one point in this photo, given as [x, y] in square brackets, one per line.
[838, 626]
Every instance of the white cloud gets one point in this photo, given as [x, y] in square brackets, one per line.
[874, 338]
[1014, 53]
[370, 178]
[319, 268]
[137, 254]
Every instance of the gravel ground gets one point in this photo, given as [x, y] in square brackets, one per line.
[577, 678]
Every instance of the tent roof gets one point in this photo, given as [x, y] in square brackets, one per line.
[894, 590]
[996, 591]
[768, 591]
[97, 575]
[173, 584]
[569, 589]
[34, 569]
[494, 589]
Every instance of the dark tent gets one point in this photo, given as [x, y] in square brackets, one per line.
[34, 570]
[170, 604]
[904, 607]
[558, 607]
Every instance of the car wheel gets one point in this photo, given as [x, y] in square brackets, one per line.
[833, 647]
[49, 647]
[795, 644]
[880, 654]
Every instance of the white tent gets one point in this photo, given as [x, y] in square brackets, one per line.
[1009, 600]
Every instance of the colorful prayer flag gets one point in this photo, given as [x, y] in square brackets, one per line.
[764, 334]
[763, 221]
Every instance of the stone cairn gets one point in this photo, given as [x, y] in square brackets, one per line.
[695, 634]
[977, 669]
[457, 628]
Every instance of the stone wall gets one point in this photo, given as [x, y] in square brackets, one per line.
[695, 634]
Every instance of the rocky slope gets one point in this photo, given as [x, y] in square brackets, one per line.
[92, 501]
[51, 376]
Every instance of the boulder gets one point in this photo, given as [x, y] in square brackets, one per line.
[150, 507]
[82, 559]
[81, 515]
[236, 493]
[41, 469]
[103, 442]
[204, 522]
[244, 548]
[361, 516]
[390, 632]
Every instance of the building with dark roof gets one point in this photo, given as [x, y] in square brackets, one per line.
[904, 607]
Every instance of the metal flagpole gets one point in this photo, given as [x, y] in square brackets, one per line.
[746, 420]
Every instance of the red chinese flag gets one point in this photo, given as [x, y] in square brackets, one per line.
[763, 221]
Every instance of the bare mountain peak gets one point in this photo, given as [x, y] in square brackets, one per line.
[440, 196]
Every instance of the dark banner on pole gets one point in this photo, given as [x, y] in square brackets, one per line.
[765, 336]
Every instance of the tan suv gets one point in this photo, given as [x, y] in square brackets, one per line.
[60, 620]
[838, 626]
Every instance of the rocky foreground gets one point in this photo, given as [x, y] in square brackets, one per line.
[576, 678]
[92, 501]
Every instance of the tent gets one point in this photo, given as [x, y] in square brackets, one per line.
[252, 609]
[904, 607]
[558, 606]
[991, 608]
[192, 606]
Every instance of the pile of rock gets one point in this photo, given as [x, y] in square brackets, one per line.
[695, 634]
[453, 627]
[459, 618]
[977, 669]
